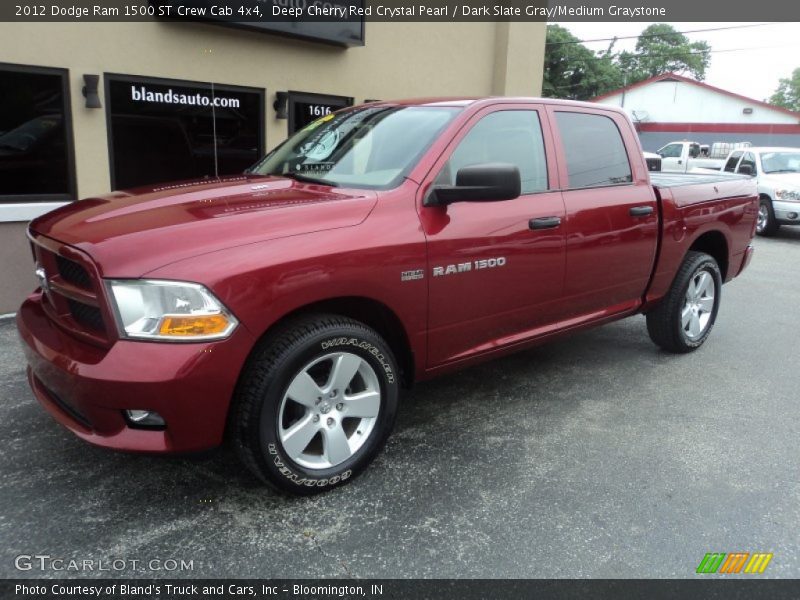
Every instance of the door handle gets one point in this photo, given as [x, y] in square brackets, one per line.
[680, 162]
[544, 223]
[641, 211]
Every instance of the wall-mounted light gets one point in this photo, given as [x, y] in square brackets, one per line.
[280, 105]
[747, 111]
[90, 91]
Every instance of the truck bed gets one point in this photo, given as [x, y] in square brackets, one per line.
[694, 188]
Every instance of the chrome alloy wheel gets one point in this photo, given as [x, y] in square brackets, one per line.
[698, 305]
[763, 217]
[329, 410]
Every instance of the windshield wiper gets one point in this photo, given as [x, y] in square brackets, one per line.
[307, 179]
[782, 171]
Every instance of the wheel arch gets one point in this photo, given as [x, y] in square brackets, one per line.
[371, 312]
[715, 244]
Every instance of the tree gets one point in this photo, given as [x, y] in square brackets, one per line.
[662, 49]
[788, 93]
[573, 71]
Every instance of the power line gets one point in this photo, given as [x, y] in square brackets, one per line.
[610, 79]
[677, 54]
[648, 35]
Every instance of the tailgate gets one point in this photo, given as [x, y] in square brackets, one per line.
[693, 188]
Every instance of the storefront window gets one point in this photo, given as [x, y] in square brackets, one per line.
[163, 130]
[35, 138]
[305, 108]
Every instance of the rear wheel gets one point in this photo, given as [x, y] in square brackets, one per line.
[315, 404]
[684, 318]
[766, 225]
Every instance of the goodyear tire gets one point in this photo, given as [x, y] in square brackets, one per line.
[315, 404]
[684, 318]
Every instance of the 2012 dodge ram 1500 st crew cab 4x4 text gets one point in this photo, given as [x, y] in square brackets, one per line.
[283, 309]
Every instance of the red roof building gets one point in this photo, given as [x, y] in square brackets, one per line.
[672, 107]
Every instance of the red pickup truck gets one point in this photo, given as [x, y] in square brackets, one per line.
[285, 308]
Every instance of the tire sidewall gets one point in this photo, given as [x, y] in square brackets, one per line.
[770, 217]
[708, 264]
[283, 471]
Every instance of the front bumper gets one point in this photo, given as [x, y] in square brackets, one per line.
[786, 212]
[87, 388]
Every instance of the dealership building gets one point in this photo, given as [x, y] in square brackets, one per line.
[671, 107]
[86, 108]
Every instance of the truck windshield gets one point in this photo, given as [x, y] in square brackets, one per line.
[780, 162]
[371, 147]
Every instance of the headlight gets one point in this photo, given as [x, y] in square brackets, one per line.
[787, 195]
[169, 310]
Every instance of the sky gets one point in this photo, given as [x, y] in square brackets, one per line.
[746, 60]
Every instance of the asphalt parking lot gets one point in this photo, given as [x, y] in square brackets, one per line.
[595, 456]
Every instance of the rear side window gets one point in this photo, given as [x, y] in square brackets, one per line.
[508, 136]
[730, 166]
[595, 152]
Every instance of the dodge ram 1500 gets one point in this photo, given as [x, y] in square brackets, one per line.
[285, 308]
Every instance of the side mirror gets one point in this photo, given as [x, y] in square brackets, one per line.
[746, 170]
[489, 182]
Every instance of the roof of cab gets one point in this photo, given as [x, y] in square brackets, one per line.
[463, 101]
[769, 149]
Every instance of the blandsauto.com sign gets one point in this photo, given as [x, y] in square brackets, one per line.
[141, 94]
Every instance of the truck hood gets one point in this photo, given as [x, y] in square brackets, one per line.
[133, 232]
[777, 180]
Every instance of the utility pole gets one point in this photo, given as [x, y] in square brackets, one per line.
[624, 85]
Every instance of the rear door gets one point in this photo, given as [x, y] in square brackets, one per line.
[496, 268]
[611, 210]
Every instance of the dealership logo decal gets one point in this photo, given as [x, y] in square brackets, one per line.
[734, 562]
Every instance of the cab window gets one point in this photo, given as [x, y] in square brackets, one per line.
[594, 150]
[748, 160]
[671, 151]
[730, 166]
[507, 136]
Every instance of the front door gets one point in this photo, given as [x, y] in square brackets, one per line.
[671, 158]
[496, 268]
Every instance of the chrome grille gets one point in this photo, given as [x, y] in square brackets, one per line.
[73, 273]
[653, 164]
[73, 297]
[88, 316]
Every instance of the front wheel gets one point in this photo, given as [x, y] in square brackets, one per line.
[316, 403]
[685, 316]
[766, 224]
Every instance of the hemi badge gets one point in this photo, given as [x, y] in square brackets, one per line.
[412, 275]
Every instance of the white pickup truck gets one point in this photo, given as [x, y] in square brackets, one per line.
[777, 172]
[686, 155]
